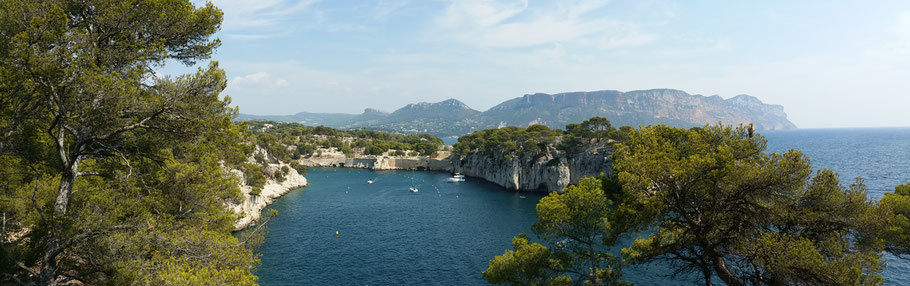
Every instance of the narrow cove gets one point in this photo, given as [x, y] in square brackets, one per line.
[445, 234]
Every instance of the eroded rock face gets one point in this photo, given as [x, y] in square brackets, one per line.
[552, 171]
[633, 108]
[250, 208]
[330, 158]
[547, 172]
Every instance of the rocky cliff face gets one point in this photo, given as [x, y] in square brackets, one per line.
[250, 208]
[549, 172]
[640, 107]
[333, 158]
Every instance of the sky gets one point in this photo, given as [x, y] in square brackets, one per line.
[829, 63]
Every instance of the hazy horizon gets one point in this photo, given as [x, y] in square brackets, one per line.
[829, 64]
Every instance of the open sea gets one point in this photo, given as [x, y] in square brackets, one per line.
[446, 233]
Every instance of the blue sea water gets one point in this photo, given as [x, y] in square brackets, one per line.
[881, 156]
[446, 233]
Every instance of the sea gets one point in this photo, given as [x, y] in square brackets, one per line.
[342, 230]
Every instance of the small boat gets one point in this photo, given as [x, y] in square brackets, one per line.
[369, 181]
[456, 178]
[413, 189]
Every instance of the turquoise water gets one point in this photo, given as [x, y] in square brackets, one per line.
[446, 233]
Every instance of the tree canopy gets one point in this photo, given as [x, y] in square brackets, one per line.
[112, 173]
[303, 140]
[710, 202]
[724, 208]
[576, 226]
[897, 236]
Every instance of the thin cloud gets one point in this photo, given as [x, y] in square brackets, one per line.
[385, 8]
[513, 24]
[258, 80]
[246, 20]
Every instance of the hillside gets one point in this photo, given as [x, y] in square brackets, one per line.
[642, 107]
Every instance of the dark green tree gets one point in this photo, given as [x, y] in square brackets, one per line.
[124, 183]
[897, 236]
[724, 208]
[576, 224]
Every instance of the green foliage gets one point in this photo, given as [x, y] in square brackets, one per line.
[537, 139]
[255, 191]
[595, 127]
[254, 175]
[576, 224]
[897, 235]
[527, 264]
[280, 174]
[724, 208]
[507, 140]
[277, 138]
[113, 172]
[346, 149]
[301, 169]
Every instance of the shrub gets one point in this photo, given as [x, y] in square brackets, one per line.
[253, 175]
[301, 169]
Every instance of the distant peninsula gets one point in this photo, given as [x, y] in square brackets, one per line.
[640, 107]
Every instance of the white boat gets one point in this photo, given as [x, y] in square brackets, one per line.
[369, 181]
[413, 189]
[456, 178]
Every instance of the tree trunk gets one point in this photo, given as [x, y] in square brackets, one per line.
[67, 180]
[706, 271]
[52, 249]
[721, 268]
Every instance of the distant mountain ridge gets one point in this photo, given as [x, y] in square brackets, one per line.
[640, 107]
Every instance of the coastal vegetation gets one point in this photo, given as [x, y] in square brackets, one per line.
[574, 226]
[111, 173]
[291, 141]
[712, 204]
[537, 139]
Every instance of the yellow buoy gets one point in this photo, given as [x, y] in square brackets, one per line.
[336, 234]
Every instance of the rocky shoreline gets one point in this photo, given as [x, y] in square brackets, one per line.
[547, 172]
[252, 205]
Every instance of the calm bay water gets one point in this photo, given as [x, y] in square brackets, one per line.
[446, 233]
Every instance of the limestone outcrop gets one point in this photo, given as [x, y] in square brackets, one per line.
[332, 158]
[549, 172]
[250, 208]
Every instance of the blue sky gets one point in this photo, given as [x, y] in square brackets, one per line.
[829, 63]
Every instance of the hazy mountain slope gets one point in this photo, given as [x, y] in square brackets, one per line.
[640, 107]
[306, 118]
[448, 117]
